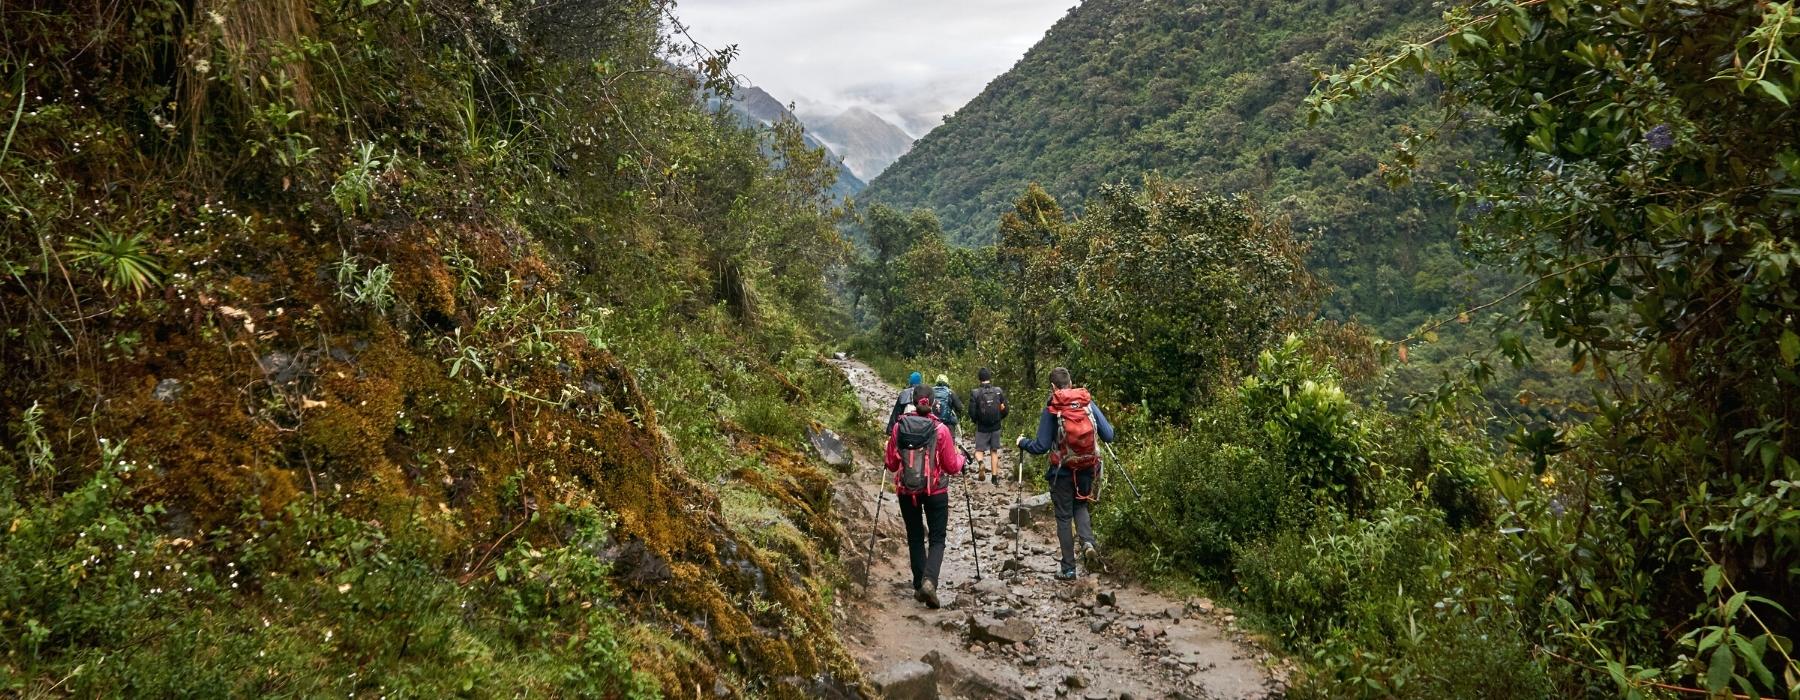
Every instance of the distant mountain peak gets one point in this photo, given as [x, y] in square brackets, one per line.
[868, 142]
[757, 108]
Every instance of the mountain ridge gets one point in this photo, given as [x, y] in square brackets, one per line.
[1210, 95]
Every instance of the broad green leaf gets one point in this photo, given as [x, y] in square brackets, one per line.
[1774, 90]
[1718, 674]
[1752, 659]
[1790, 347]
[1734, 605]
[1710, 580]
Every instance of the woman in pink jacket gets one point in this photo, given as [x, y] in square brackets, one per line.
[921, 453]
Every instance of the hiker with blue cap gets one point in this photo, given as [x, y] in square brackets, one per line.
[905, 399]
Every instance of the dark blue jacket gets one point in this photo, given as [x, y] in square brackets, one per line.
[1046, 437]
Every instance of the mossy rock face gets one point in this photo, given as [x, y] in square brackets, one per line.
[384, 295]
[361, 410]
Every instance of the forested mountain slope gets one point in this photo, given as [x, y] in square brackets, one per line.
[1208, 93]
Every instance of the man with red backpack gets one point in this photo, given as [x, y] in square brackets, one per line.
[1070, 430]
[922, 454]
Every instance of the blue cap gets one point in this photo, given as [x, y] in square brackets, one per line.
[915, 380]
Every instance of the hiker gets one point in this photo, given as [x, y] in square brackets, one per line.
[921, 454]
[987, 405]
[949, 407]
[904, 400]
[1067, 430]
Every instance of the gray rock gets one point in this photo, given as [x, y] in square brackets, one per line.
[636, 564]
[983, 628]
[1099, 625]
[1029, 510]
[907, 680]
[1076, 681]
[1012, 565]
[964, 681]
[831, 447]
[989, 588]
[167, 390]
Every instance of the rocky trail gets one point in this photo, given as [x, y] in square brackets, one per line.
[1017, 632]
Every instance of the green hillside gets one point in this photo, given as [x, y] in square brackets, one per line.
[1208, 94]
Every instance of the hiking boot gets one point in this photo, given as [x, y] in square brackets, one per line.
[1067, 573]
[928, 594]
[1090, 557]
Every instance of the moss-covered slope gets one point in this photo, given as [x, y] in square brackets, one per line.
[403, 349]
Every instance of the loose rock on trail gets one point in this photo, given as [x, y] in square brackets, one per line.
[1018, 632]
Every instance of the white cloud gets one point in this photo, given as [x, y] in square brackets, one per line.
[912, 62]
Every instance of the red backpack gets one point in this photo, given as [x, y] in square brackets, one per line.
[1077, 445]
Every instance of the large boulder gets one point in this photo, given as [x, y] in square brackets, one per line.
[907, 680]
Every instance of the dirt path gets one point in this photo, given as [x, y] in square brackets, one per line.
[1141, 645]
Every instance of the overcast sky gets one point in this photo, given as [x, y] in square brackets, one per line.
[911, 61]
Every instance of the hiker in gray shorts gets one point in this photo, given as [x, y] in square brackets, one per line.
[987, 405]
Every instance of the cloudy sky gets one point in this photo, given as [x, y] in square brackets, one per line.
[910, 61]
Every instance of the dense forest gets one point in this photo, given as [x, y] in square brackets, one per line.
[1210, 94]
[1637, 204]
[405, 349]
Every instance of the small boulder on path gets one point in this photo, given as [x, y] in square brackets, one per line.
[984, 628]
[907, 680]
[1029, 510]
[989, 588]
[965, 681]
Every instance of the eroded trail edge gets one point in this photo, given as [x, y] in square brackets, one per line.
[1021, 633]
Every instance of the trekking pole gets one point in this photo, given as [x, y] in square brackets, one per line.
[874, 528]
[1115, 455]
[1018, 512]
[969, 509]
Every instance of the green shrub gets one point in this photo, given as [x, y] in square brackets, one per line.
[1205, 493]
[1345, 574]
[96, 600]
[769, 416]
[1312, 426]
[1437, 656]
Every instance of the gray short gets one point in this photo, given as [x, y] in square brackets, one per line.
[987, 442]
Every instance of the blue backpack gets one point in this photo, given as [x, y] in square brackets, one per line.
[940, 399]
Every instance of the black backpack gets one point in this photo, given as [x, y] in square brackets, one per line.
[916, 439]
[988, 407]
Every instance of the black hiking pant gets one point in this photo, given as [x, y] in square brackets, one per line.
[1069, 508]
[925, 517]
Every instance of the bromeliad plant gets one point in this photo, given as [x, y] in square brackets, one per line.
[1653, 195]
[123, 260]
